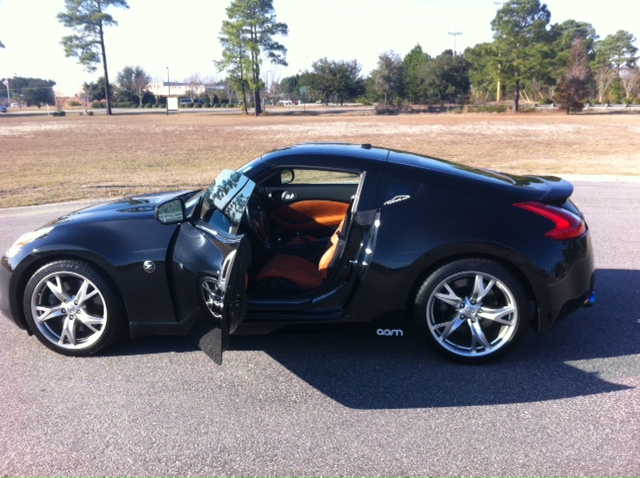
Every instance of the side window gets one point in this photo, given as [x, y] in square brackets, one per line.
[315, 176]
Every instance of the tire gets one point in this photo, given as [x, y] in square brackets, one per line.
[71, 308]
[471, 310]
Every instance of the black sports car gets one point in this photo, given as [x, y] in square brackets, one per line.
[311, 234]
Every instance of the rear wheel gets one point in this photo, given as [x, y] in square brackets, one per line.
[472, 310]
[71, 308]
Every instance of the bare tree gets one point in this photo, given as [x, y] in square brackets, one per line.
[630, 81]
[196, 86]
[571, 94]
[604, 78]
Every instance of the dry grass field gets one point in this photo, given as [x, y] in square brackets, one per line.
[53, 159]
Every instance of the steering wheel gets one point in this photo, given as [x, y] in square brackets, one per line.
[258, 220]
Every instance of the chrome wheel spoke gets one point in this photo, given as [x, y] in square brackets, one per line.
[91, 322]
[57, 289]
[449, 327]
[68, 333]
[450, 298]
[478, 337]
[500, 316]
[480, 290]
[48, 313]
[83, 293]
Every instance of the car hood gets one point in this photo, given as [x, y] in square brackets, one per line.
[134, 207]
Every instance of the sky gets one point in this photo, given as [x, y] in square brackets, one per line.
[177, 39]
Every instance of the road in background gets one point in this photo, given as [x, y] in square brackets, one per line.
[566, 403]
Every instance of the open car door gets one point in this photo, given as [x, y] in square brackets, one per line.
[209, 264]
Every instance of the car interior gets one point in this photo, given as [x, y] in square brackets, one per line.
[299, 224]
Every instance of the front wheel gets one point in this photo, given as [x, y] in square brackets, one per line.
[473, 310]
[71, 308]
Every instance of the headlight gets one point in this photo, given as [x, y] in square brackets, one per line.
[26, 239]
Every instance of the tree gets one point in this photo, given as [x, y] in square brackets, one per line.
[338, 79]
[485, 72]
[246, 37]
[574, 89]
[630, 81]
[87, 18]
[388, 76]
[133, 83]
[196, 86]
[414, 80]
[96, 91]
[522, 40]
[447, 77]
[617, 50]
[33, 91]
[604, 77]
[564, 37]
[234, 60]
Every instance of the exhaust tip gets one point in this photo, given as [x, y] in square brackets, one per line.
[590, 300]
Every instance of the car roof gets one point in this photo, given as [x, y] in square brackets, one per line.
[422, 168]
[339, 156]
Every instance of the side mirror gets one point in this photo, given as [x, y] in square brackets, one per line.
[171, 212]
[287, 176]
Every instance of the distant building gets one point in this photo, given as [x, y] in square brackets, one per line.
[176, 88]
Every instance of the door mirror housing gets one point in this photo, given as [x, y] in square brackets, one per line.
[171, 212]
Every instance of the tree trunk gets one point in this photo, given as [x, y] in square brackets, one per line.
[244, 100]
[107, 88]
[257, 102]
[517, 98]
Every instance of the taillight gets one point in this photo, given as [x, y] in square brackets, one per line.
[567, 224]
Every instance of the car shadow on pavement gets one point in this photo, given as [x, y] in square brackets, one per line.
[591, 352]
[401, 372]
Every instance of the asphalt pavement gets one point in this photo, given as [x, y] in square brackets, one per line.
[566, 403]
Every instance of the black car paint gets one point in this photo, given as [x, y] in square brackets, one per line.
[119, 237]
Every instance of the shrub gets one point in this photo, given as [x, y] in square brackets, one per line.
[571, 94]
[489, 109]
[387, 110]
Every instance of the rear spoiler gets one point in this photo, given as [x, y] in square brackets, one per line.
[558, 190]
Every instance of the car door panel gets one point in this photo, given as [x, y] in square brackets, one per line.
[309, 214]
[210, 260]
[209, 271]
[305, 208]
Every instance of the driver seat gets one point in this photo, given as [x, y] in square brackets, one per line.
[289, 273]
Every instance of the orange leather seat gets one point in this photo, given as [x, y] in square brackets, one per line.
[303, 273]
